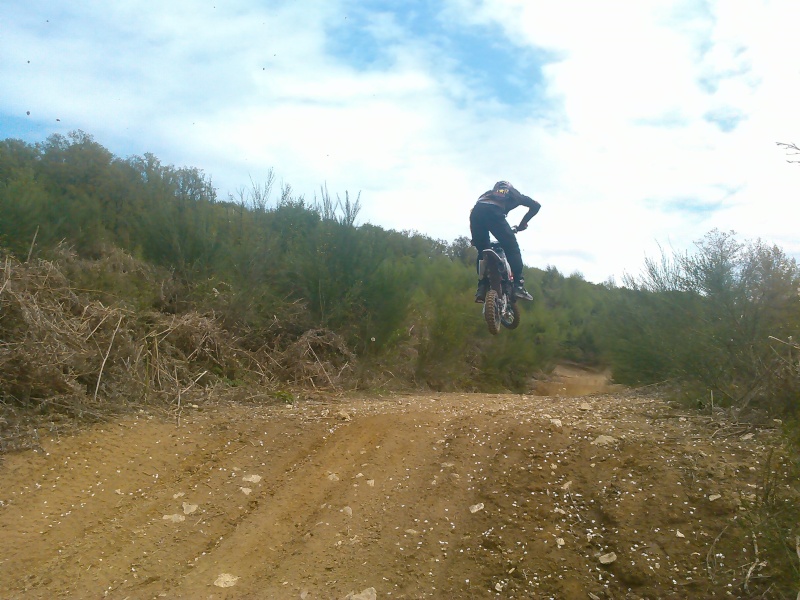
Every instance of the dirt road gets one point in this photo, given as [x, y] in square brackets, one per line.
[424, 496]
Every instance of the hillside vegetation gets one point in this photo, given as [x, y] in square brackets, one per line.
[127, 281]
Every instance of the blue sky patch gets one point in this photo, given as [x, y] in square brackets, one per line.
[727, 119]
[25, 128]
[355, 42]
[694, 206]
[493, 66]
[672, 119]
[710, 83]
[691, 205]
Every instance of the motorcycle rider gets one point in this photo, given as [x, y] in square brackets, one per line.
[489, 216]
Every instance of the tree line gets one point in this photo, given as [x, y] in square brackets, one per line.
[721, 321]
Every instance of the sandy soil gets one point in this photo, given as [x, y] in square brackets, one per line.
[422, 496]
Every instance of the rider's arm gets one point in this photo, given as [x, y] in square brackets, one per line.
[533, 208]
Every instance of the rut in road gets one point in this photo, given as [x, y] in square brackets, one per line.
[421, 496]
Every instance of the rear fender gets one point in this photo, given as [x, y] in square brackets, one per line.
[495, 267]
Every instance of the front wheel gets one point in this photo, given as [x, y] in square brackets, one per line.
[491, 312]
[510, 318]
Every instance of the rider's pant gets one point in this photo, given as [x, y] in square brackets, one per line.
[489, 218]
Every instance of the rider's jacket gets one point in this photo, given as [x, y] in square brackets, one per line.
[507, 197]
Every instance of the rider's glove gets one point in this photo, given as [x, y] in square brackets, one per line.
[522, 227]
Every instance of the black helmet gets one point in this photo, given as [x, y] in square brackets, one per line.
[502, 185]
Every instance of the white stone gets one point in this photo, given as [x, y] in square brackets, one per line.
[174, 518]
[226, 580]
[607, 559]
[604, 440]
[367, 594]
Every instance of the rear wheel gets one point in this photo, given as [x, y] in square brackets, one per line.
[510, 319]
[491, 312]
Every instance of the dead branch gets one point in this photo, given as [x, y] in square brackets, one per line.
[192, 384]
[8, 276]
[757, 564]
[789, 343]
[709, 568]
[105, 358]
[791, 149]
[103, 320]
[33, 243]
[314, 357]
[321, 366]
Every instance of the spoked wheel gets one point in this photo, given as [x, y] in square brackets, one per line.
[491, 312]
[510, 319]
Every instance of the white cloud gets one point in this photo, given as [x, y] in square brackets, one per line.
[635, 80]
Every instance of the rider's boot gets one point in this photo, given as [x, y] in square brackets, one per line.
[483, 287]
[520, 291]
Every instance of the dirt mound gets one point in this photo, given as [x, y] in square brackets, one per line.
[573, 380]
[423, 496]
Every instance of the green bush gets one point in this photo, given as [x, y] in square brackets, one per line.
[714, 321]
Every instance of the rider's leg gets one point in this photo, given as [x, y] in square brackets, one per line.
[505, 235]
[480, 239]
[479, 227]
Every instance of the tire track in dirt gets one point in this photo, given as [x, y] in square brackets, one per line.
[305, 509]
[437, 496]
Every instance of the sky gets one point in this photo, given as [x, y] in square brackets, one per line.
[640, 126]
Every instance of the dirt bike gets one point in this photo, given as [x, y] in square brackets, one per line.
[500, 306]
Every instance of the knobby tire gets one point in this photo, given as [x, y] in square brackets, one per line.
[491, 312]
[513, 322]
